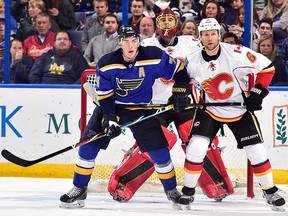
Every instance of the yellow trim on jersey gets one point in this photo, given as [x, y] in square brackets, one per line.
[112, 66]
[166, 175]
[263, 173]
[101, 97]
[268, 70]
[147, 62]
[181, 67]
[192, 172]
[83, 171]
[223, 119]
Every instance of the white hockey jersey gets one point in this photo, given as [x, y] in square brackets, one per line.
[162, 89]
[225, 78]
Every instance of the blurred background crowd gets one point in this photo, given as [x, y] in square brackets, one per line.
[50, 37]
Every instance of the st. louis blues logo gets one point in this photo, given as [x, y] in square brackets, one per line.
[125, 85]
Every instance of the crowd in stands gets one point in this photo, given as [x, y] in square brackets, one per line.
[43, 47]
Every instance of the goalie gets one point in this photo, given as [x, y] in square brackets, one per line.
[136, 166]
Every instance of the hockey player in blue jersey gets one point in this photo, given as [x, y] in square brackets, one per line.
[124, 77]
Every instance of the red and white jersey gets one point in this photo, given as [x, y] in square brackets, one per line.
[224, 79]
[162, 89]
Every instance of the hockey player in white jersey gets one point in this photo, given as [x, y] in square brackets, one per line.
[136, 167]
[221, 71]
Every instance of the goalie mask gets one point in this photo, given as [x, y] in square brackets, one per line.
[166, 23]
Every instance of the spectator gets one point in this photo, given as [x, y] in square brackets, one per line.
[283, 51]
[19, 9]
[27, 25]
[230, 12]
[2, 35]
[13, 22]
[277, 10]
[211, 9]
[264, 30]
[266, 47]
[189, 27]
[104, 43]
[61, 65]
[93, 27]
[137, 9]
[20, 64]
[230, 38]
[42, 41]
[147, 28]
[63, 13]
[238, 28]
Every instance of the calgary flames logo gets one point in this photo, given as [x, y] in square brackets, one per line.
[217, 87]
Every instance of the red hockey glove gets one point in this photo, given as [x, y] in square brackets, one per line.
[180, 97]
[254, 100]
[111, 126]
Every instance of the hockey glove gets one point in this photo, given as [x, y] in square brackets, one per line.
[111, 126]
[180, 97]
[254, 100]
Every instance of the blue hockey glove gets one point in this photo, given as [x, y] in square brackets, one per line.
[111, 126]
[180, 97]
[255, 99]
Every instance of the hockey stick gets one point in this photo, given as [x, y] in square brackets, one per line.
[193, 105]
[26, 163]
[91, 92]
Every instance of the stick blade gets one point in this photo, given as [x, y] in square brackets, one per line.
[14, 159]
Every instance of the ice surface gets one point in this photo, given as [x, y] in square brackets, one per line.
[40, 197]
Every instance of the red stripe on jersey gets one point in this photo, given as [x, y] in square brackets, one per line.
[263, 169]
[193, 167]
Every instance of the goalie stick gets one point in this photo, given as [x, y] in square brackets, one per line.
[91, 92]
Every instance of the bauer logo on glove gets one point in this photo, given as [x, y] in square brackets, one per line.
[180, 97]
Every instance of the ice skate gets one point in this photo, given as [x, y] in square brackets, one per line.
[274, 199]
[174, 196]
[187, 198]
[75, 198]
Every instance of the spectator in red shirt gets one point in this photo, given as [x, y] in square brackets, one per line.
[43, 40]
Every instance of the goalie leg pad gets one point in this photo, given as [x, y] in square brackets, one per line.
[135, 169]
[214, 179]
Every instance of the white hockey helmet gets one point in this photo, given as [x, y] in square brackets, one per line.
[208, 24]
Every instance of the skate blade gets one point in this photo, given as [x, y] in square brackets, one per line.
[278, 208]
[178, 206]
[74, 205]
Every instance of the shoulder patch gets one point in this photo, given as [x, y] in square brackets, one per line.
[251, 57]
[238, 48]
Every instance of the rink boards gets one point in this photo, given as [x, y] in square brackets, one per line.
[43, 119]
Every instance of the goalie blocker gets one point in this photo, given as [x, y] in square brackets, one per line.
[137, 167]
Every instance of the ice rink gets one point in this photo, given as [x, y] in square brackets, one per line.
[40, 197]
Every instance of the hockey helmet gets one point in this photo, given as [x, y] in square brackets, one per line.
[166, 23]
[208, 24]
[128, 31]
